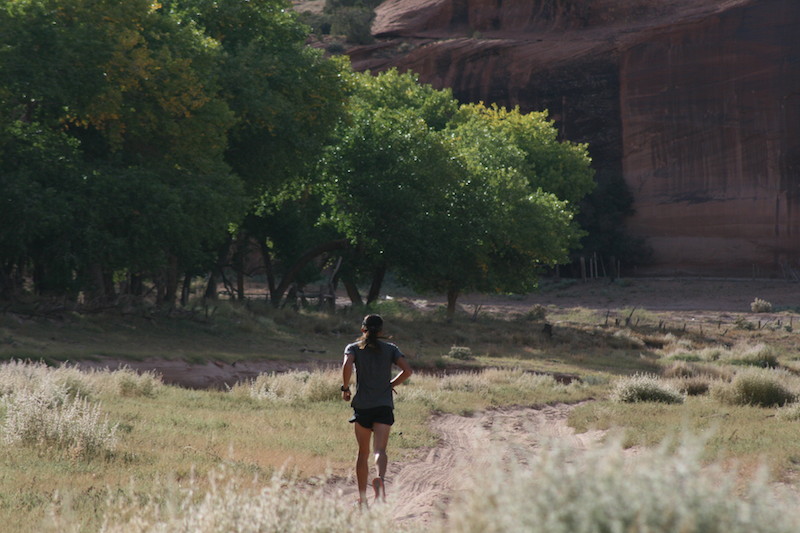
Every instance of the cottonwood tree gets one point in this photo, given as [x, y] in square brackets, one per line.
[452, 198]
[175, 116]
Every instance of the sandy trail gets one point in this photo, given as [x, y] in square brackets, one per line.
[418, 490]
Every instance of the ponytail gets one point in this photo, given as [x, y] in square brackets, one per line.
[371, 328]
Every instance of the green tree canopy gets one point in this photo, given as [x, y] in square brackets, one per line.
[453, 198]
[169, 112]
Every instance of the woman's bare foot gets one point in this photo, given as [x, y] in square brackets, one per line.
[379, 488]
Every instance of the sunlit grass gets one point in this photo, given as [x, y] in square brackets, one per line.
[747, 433]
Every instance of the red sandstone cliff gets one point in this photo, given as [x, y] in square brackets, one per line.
[695, 102]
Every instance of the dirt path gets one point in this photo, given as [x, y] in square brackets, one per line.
[418, 490]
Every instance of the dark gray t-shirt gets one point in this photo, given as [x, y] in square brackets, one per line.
[373, 374]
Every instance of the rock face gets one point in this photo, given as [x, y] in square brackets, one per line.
[696, 103]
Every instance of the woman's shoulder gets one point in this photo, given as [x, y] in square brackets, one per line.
[353, 346]
[390, 345]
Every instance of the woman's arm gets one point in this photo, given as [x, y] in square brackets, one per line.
[404, 374]
[347, 373]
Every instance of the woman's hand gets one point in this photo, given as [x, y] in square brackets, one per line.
[346, 395]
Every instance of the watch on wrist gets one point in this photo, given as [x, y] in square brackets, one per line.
[345, 389]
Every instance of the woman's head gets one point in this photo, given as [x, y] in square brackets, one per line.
[371, 327]
[372, 323]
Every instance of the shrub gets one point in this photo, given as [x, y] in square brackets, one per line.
[537, 312]
[760, 355]
[16, 375]
[287, 387]
[686, 369]
[693, 385]
[755, 386]
[625, 339]
[645, 388]
[760, 306]
[50, 418]
[319, 23]
[127, 382]
[463, 353]
[568, 491]
[354, 23]
[494, 378]
[680, 369]
[790, 412]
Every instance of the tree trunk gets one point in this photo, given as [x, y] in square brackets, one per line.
[6, 290]
[352, 292]
[95, 292]
[452, 296]
[216, 272]
[187, 286]
[310, 254]
[136, 287]
[267, 258]
[211, 287]
[377, 282]
[171, 278]
[238, 265]
[240, 283]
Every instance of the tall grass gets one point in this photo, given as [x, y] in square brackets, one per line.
[281, 504]
[50, 418]
[742, 354]
[51, 408]
[16, 375]
[606, 490]
[291, 387]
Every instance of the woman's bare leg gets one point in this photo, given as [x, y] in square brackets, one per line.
[380, 441]
[362, 463]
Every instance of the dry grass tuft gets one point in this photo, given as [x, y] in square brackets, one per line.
[645, 388]
[566, 491]
[292, 387]
[757, 387]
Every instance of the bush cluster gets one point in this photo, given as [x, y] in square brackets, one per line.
[645, 388]
[48, 417]
[463, 353]
[755, 386]
[567, 491]
[760, 306]
[292, 387]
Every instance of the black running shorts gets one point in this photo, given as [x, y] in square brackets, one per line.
[379, 415]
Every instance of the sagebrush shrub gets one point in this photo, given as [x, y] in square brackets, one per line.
[605, 490]
[756, 386]
[760, 306]
[287, 387]
[537, 312]
[51, 418]
[645, 388]
[463, 353]
[16, 375]
[693, 385]
[761, 355]
[487, 379]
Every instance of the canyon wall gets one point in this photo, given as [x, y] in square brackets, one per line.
[695, 103]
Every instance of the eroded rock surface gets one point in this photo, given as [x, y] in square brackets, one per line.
[695, 102]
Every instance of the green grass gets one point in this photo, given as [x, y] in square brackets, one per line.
[168, 436]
